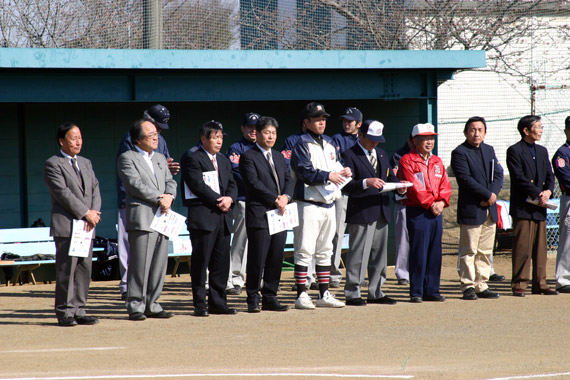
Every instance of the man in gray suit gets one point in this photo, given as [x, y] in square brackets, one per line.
[74, 191]
[149, 185]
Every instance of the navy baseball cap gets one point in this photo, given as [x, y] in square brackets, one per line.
[314, 109]
[372, 129]
[250, 118]
[159, 115]
[352, 113]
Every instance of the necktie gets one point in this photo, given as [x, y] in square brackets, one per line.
[373, 161]
[76, 170]
[274, 172]
[214, 163]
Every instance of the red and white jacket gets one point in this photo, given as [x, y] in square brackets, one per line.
[431, 183]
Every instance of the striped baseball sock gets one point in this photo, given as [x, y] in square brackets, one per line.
[301, 278]
[323, 277]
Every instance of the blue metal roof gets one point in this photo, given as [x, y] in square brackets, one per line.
[42, 58]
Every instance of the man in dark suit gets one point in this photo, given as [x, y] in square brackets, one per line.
[531, 177]
[367, 215]
[74, 191]
[149, 186]
[480, 178]
[268, 186]
[209, 193]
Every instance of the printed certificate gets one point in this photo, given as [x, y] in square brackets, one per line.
[288, 220]
[167, 224]
[80, 239]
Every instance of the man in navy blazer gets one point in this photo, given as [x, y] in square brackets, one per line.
[367, 215]
[209, 221]
[531, 177]
[268, 186]
[480, 178]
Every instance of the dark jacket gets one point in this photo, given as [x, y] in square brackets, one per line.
[528, 180]
[477, 179]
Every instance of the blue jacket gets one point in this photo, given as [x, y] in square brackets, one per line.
[234, 152]
[127, 144]
[288, 146]
[344, 141]
[561, 165]
[477, 179]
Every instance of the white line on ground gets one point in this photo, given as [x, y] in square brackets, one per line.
[531, 376]
[225, 375]
[62, 350]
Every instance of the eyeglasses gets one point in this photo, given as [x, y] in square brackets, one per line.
[152, 135]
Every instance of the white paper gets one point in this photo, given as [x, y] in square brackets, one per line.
[288, 220]
[549, 204]
[391, 186]
[329, 190]
[167, 224]
[211, 180]
[80, 239]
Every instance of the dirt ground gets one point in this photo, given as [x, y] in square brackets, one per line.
[508, 338]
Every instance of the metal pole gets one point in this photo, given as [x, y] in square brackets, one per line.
[152, 24]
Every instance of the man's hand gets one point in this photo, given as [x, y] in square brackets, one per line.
[489, 202]
[281, 202]
[544, 196]
[92, 218]
[174, 167]
[437, 208]
[346, 172]
[224, 203]
[403, 190]
[165, 202]
[375, 182]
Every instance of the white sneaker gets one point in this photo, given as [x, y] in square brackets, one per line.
[304, 302]
[328, 300]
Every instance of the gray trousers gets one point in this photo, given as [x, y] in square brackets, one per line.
[563, 254]
[123, 245]
[238, 251]
[340, 209]
[368, 250]
[72, 278]
[147, 267]
[402, 243]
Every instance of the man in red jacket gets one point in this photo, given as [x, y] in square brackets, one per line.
[425, 202]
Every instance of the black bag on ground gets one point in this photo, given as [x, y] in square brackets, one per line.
[106, 267]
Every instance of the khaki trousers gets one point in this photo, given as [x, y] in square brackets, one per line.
[529, 245]
[475, 249]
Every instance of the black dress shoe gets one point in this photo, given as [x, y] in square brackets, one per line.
[201, 311]
[86, 320]
[518, 292]
[488, 294]
[403, 281]
[469, 294]
[137, 316]
[253, 308]
[235, 291]
[434, 298]
[496, 278]
[225, 310]
[382, 301]
[161, 314]
[356, 302]
[67, 322]
[546, 292]
[564, 289]
[416, 299]
[274, 306]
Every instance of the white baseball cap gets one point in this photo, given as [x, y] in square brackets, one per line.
[372, 129]
[426, 129]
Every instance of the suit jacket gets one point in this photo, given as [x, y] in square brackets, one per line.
[69, 200]
[203, 211]
[477, 180]
[528, 179]
[143, 188]
[260, 186]
[367, 205]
